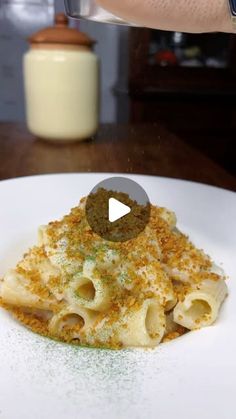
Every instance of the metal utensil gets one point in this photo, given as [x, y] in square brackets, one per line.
[88, 9]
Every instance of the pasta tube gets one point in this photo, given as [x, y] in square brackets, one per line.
[144, 326]
[69, 322]
[201, 306]
[15, 292]
[92, 293]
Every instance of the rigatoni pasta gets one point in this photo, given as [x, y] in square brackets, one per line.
[201, 305]
[76, 287]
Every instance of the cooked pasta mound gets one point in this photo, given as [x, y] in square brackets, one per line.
[78, 288]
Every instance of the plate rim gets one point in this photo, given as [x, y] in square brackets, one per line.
[116, 174]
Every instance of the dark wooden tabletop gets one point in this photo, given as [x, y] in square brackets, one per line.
[144, 149]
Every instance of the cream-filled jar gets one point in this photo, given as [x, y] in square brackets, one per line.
[61, 77]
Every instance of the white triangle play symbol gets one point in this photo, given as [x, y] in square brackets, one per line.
[117, 210]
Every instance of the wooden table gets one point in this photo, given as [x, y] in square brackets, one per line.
[144, 149]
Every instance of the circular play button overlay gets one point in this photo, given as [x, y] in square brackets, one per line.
[118, 209]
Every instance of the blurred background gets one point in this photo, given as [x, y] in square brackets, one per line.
[185, 82]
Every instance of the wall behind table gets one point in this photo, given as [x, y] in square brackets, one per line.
[18, 19]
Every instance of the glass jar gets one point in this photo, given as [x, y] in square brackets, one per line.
[61, 76]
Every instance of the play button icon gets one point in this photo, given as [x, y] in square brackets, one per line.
[117, 209]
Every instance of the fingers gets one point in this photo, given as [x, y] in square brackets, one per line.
[181, 15]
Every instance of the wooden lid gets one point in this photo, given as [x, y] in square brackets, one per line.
[61, 34]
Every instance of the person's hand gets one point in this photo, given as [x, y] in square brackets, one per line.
[174, 15]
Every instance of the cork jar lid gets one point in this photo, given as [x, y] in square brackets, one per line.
[60, 34]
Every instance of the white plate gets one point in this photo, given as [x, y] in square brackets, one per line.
[191, 377]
